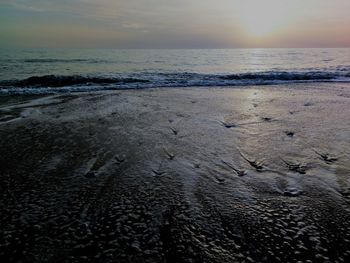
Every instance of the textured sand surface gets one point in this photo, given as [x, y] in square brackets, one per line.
[177, 175]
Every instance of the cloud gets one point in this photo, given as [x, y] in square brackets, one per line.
[103, 9]
[129, 25]
[187, 23]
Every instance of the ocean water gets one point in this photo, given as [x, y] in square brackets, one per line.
[67, 70]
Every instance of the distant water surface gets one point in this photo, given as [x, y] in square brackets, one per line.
[65, 70]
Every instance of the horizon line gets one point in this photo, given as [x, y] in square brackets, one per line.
[175, 48]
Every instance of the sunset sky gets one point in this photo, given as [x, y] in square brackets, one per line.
[174, 24]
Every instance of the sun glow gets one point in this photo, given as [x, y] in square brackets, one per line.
[263, 17]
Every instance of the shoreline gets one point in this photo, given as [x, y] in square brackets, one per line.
[220, 174]
[52, 91]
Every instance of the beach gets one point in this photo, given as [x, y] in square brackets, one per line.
[220, 174]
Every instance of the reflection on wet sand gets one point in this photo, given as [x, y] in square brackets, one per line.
[177, 175]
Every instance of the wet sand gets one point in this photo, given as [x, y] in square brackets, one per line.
[254, 174]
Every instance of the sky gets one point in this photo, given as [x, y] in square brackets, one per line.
[174, 23]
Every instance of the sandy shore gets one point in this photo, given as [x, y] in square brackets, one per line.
[258, 174]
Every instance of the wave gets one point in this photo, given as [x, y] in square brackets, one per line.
[284, 76]
[71, 83]
[62, 81]
[54, 60]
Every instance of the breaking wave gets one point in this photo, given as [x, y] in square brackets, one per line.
[62, 81]
[72, 83]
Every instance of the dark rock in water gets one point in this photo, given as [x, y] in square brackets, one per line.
[118, 159]
[90, 175]
[175, 131]
[327, 158]
[307, 104]
[292, 192]
[170, 155]
[258, 166]
[241, 172]
[157, 172]
[289, 133]
[237, 171]
[295, 167]
[266, 119]
[229, 125]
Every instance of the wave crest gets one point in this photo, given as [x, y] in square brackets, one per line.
[70, 83]
[297, 76]
[62, 81]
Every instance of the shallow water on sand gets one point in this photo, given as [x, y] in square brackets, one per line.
[178, 175]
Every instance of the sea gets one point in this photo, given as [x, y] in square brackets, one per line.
[46, 71]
